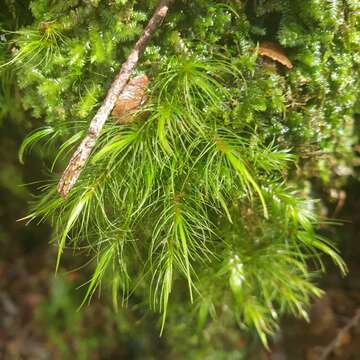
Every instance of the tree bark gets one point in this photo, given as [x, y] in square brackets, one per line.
[82, 153]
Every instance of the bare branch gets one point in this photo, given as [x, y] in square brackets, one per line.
[81, 155]
[354, 321]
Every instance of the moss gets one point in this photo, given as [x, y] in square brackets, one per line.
[211, 189]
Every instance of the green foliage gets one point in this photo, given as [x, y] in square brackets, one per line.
[207, 192]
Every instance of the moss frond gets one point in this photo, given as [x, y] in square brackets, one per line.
[204, 202]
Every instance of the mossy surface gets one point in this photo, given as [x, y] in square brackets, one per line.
[205, 205]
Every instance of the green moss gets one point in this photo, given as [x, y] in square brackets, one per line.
[207, 192]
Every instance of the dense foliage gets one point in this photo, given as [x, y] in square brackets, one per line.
[204, 206]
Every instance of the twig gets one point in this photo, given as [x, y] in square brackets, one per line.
[82, 153]
[350, 324]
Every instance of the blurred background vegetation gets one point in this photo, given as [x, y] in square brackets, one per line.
[39, 316]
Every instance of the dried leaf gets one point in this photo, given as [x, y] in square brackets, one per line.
[132, 97]
[275, 52]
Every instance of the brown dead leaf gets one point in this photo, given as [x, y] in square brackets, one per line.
[275, 52]
[132, 97]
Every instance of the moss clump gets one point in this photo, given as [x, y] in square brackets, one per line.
[209, 191]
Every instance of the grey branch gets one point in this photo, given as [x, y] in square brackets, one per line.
[82, 153]
[354, 321]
